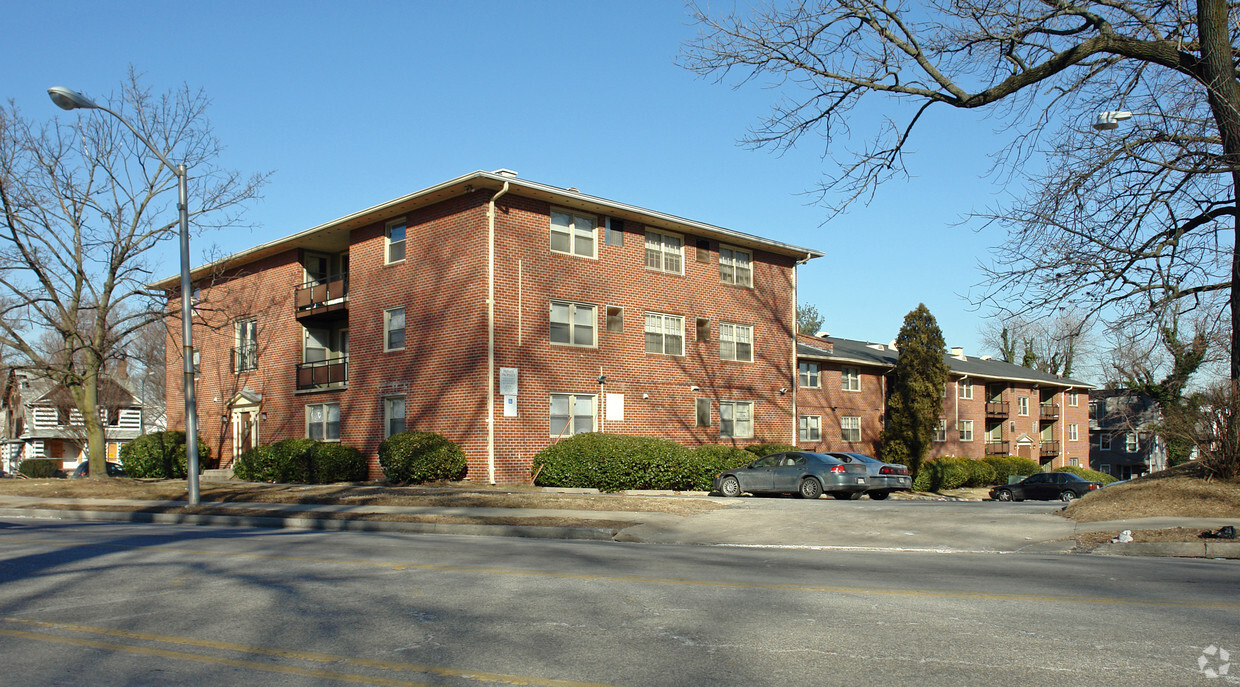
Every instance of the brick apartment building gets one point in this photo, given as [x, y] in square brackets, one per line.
[502, 313]
[989, 407]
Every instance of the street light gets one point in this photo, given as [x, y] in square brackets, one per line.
[67, 99]
[1111, 119]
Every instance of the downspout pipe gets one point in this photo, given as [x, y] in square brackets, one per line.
[796, 370]
[491, 332]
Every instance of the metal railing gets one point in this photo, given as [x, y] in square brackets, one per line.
[323, 373]
[322, 295]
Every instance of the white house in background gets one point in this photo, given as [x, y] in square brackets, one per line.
[40, 420]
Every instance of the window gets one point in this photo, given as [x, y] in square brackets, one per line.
[1072, 399]
[1130, 443]
[1074, 462]
[1072, 434]
[1022, 405]
[663, 252]
[393, 415]
[703, 329]
[809, 375]
[323, 421]
[665, 334]
[940, 431]
[615, 232]
[572, 324]
[735, 342]
[994, 433]
[735, 266]
[246, 355]
[1104, 442]
[736, 419]
[966, 388]
[811, 428]
[850, 429]
[850, 379]
[394, 238]
[703, 250]
[615, 319]
[572, 233]
[394, 329]
[702, 410]
[966, 430]
[571, 414]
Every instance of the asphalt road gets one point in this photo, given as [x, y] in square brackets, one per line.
[107, 604]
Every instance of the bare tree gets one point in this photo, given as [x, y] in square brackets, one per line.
[1038, 66]
[83, 205]
[1053, 345]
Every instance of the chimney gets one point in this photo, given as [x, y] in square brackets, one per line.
[505, 173]
[958, 352]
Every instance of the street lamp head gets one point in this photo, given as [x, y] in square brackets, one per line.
[68, 99]
[1111, 119]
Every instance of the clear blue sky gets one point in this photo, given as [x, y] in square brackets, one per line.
[351, 104]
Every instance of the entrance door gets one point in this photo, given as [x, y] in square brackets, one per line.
[245, 430]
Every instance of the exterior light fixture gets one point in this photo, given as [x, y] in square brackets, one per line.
[1111, 119]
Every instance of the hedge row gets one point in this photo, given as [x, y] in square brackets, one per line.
[954, 472]
[617, 462]
[37, 468]
[161, 455]
[1091, 475]
[301, 461]
[420, 457]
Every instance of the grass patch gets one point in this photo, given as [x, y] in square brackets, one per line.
[1159, 495]
[1088, 541]
[448, 495]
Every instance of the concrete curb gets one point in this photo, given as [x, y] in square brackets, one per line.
[323, 524]
[1202, 549]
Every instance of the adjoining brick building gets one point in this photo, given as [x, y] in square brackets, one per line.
[989, 407]
[502, 313]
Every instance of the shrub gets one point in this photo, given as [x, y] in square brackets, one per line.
[301, 461]
[615, 462]
[1006, 466]
[1091, 475]
[712, 459]
[37, 468]
[420, 457]
[161, 455]
[953, 472]
[767, 449]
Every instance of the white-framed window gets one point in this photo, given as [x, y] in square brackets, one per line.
[735, 266]
[850, 378]
[665, 334]
[664, 252]
[940, 431]
[736, 419]
[1072, 433]
[810, 427]
[393, 415]
[1072, 401]
[966, 388]
[809, 373]
[1074, 462]
[394, 329]
[701, 407]
[572, 414]
[573, 324]
[966, 430]
[573, 233]
[323, 421]
[850, 429]
[246, 354]
[735, 342]
[1104, 442]
[394, 241]
[1130, 443]
[1022, 405]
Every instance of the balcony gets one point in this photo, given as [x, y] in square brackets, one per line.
[1049, 411]
[1050, 448]
[996, 448]
[323, 374]
[244, 358]
[322, 296]
[996, 409]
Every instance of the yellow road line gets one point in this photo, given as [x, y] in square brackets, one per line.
[308, 656]
[831, 589]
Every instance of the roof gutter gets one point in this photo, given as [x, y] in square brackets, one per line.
[491, 332]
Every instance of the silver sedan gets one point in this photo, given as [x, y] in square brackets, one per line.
[795, 472]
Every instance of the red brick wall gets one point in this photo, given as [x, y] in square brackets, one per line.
[831, 402]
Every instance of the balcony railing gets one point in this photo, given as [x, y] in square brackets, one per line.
[322, 374]
[996, 409]
[1050, 411]
[996, 448]
[245, 357]
[1050, 448]
[322, 295]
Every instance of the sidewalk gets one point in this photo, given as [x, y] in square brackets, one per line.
[953, 527]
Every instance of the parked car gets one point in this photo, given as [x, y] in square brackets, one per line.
[883, 478]
[83, 470]
[1045, 486]
[795, 472]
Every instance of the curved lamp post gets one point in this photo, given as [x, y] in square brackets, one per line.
[67, 99]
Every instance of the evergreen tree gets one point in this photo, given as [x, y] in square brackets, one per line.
[915, 397]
